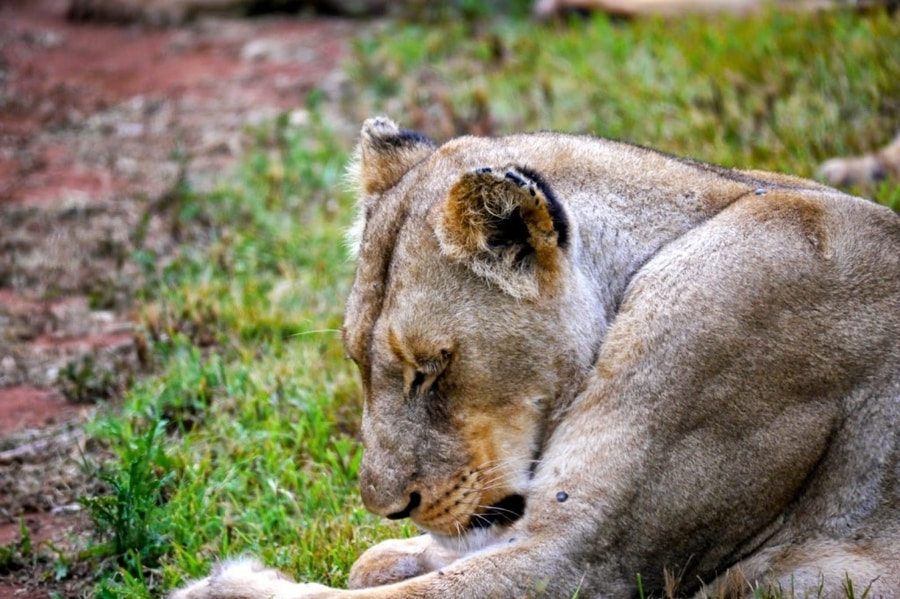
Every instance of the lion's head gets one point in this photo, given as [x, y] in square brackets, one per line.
[458, 322]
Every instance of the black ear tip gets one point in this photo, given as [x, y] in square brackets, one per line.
[410, 137]
[382, 133]
[386, 153]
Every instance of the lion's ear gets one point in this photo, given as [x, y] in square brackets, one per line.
[385, 153]
[507, 226]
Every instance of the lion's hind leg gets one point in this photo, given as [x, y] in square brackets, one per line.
[825, 569]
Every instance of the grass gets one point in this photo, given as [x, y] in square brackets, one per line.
[244, 441]
[769, 92]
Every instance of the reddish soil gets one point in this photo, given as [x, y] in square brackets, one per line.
[92, 120]
[25, 407]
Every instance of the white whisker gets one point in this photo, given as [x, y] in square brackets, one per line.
[314, 332]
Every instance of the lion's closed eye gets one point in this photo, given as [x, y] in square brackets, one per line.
[422, 378]
[418, 383]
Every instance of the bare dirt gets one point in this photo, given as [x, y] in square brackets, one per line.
[99, 124]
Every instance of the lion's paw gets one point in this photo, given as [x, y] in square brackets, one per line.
[398, 559]
[246, 578]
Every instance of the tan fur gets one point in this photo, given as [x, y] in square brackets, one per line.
[650, 365]
[865, 169]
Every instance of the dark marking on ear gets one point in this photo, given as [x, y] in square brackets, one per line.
[560, 221]
[511, 231]
[386, 153]
[516, 179]
[405, 138]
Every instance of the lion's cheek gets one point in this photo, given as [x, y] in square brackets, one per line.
[502, 445]
[498, 448]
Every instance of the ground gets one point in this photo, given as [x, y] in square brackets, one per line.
[99, 124]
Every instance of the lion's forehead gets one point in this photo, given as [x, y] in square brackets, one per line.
[400, 211]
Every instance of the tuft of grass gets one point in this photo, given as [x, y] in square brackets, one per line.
[245, 438]
[85, 381]
[17, 554]
[130, 521]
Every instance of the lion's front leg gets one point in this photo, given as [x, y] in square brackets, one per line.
[247, 578]
[399, 559]
[388, 562]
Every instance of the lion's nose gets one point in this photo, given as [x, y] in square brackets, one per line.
[414, 500]
[389, 480]
[394, 506]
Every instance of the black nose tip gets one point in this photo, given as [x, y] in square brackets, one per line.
[414, 500]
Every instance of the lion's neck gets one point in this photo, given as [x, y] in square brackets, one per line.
[623, 231]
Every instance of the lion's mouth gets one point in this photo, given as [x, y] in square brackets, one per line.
[505, 512]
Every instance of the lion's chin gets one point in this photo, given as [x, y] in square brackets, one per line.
[486, 528]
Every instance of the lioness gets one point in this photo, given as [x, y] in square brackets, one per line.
[585, 361]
